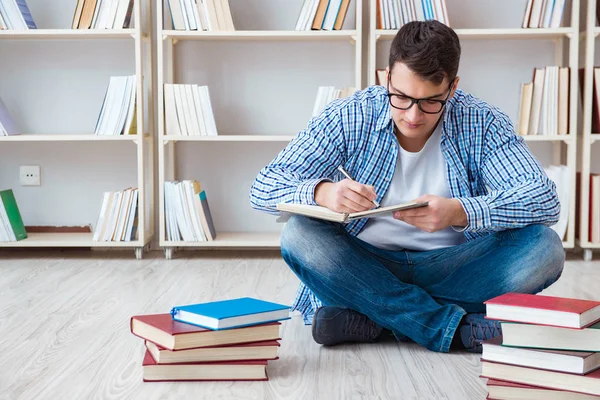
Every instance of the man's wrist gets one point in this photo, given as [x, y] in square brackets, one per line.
[460, 215]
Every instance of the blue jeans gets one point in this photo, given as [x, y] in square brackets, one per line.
[422, 295]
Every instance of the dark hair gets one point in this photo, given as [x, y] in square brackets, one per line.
[428, 48]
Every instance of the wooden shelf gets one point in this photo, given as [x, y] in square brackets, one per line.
[229, 138]
[68, 240]
[260, 35]
[516, 33]
[542, 138]
[70, 34]
[234, 239]
[68, 138]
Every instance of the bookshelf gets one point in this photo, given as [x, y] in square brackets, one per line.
[588, 137]
[493, 28]
[263, 65]
[52, 31]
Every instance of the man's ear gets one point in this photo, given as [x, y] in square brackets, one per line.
[455, 85]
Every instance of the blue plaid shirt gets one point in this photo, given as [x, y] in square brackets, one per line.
[490, 169]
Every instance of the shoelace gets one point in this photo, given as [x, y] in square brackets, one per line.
[359, 324]
[483, 332]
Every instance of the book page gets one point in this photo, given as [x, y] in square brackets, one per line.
[385, 210]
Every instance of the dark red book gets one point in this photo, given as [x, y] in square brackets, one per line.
[220, 371]
[509, 390]
[543, 310]
[174, 335]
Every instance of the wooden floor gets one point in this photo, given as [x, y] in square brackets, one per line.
[64, 331]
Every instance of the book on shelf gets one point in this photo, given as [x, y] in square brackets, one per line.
[325, 213]
[201, 15]
[393, 14]
[543, 14]
[544, 104]
[119, 108]
[7, 123]
[595, 96]
[547, 342]
[118, 217]
[103, 14]
[15, 15]
[327, 15]
[187, 213]
[326, 94]
[231, 313]
[12, 228]
[381, 77]
[188, 110]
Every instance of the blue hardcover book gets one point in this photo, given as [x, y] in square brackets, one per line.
[228, 314]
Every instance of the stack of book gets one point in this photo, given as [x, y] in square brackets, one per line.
[118, 113]
[326, 94]
[392, 14]
[201, 15]
[188, 111]
[7, 124]
[544, 106]
[11, 223]
[324, 15]
[15, 15]
[118, 217]
[187, 214]
[549, 348]
[221, 340]
[102, 14]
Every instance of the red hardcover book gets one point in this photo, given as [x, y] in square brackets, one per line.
[174, 335]
[509, 390]
[234, 352]
[543, 310]
[219, 371]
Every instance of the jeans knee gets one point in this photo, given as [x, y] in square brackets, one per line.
[546, 255]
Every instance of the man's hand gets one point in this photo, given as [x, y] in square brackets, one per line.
[439, 214]
[345, 196]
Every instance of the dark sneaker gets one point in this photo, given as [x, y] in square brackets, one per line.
[334, 325]
[474, 328]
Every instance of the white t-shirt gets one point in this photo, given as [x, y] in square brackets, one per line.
[416, 174]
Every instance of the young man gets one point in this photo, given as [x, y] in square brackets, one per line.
[424, 273]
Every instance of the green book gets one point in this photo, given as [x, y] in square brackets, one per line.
[14, 216]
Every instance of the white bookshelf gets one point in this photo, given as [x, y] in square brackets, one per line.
[250, 143]
[563, 147]
[588, 137]
[142, 140]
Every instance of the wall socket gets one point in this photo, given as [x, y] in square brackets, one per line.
[29, 175]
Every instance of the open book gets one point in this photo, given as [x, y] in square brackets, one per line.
[329, 215]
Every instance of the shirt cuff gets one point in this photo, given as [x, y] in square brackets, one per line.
[305, 192]
[478, 213]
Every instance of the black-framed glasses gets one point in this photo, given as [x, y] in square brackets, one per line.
[428, 106]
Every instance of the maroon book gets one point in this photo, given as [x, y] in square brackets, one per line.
[174, 335]
[255, 370]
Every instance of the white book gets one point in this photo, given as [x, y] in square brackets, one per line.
[186, 15]
[171, 120]
[170, 225]
[311, 15]
[132, 105]
[121, 13]
[7, 124]
[123, 213]
[112, 218]
[179, 104]
[557, 14]
[121, 105]
[131, 217]
[101, 216]
[331, 14]
[94, 23]
[420, 12]
[193, 117]
[202, 15]
[183, 217]
[207, 22]
[194, 216]
[14, 15]
[303, 12]
[199, 110]
[536, 105]
[548, 13]
[207, 111]
[177, 17]
[102, 119]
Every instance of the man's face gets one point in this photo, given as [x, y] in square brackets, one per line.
[415, 123]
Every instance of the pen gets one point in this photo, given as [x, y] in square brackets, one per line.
[347, 175]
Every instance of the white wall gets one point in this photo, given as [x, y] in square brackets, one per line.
[57, 87]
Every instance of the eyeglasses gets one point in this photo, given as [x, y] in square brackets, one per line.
[428, 106]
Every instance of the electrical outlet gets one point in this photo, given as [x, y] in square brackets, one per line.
[29, 175]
